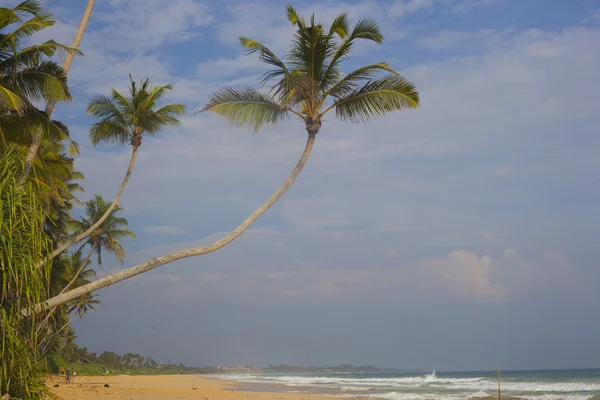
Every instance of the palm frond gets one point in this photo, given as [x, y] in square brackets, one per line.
[350, 82]
[11, 100]
[367, 29]
[246, 107]
[364, 29]
[73, 148]
[294, 18]
[109, 131]
[265, 55]
[339, 26]
[376, 98]
[15, 14]
[44, 81]
[26, 29]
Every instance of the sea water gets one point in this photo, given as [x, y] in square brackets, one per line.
[533, 385]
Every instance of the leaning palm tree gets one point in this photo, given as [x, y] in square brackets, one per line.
[37, 135]
[122, 120]
[310, 84]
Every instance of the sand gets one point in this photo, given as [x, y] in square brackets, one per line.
[161, 387]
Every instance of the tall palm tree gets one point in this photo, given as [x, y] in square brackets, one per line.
[103, 238]
[37, 136]
[27, 74]
[126, 119]
[310, 83]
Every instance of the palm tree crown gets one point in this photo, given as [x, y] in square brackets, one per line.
[106, 237]
[26, 74]
[125, 119]
[310, 83]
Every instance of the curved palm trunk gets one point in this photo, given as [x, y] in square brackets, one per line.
[184, 253]
[91, 229]
[37, 136]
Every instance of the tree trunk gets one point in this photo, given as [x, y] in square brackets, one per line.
[184, 253]
[37, 135]
[91, 229]
[51, 313]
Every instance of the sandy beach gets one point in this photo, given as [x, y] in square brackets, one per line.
[161, 387]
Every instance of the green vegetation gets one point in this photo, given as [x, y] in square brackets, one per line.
[79, 360]
[45, 281]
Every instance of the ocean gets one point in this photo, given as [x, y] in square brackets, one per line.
[532, 385]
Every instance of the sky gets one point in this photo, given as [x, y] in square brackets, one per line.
[459, 236]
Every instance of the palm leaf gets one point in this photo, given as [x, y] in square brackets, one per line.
[364, 29]
[350, 82]
[45, 80]
[265, 55]
[294, 18]
[376, 98]
[339, 26]
[246, 107]
[26, 29]
[10, 100]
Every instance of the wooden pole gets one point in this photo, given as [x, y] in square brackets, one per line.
[499, 394]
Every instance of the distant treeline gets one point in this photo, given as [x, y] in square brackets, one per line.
[347, 368]
[81, 361]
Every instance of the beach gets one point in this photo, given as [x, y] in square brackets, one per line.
[161, 387]
[482, 385]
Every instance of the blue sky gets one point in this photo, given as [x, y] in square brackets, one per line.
[462, 235]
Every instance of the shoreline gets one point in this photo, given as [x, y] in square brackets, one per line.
[160, 387]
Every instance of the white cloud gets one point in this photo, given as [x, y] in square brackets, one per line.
[140, 25]
[402, 8]
[469, 274]
[165, 230]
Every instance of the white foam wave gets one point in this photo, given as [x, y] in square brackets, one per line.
[357, 383]
[400, 386]
[429, 396]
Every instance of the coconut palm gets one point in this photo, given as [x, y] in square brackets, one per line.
[37, 135]
[122, 120]
[27, 75]
[103, 238]
[309, 84]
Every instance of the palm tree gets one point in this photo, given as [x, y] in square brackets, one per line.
[28, 75]
[37, 137]
[122, 120]
[103, 238]
[310, 83]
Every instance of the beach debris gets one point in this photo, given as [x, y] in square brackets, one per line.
[106, 385]
[194, 388]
